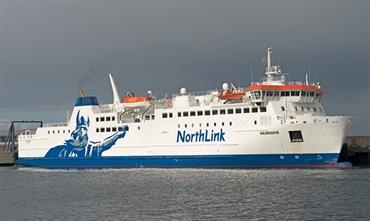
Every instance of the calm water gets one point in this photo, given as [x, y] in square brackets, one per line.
[155, 194]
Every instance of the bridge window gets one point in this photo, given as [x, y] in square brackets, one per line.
[102, 119]
[230, 111]
[262, 109]
[282, 108]
[257, 94]
[97, 130]
[214, 112]
[113, 118]
[207, 112]
[147, 117]
[238, 110]
[303, 93]
[269, 93]
[170, 114]
[97, 119]
[276, 93]
[254, 109]
[294, 93]
[102, 129]
[107, 119]
[222, 111]
[164, 115]
[192, 113]
[285, 93]
[200, 113]
[114, 129]
[108, 129]
[178, 114]
[246, 110]
[185, 114]
[312, 94]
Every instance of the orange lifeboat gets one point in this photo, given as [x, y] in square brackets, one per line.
[131, 98]
[128, 99]
[231, 95]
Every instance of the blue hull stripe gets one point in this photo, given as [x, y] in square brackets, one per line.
[210, 161]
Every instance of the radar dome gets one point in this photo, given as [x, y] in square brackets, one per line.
[183, 91]
[225, 86]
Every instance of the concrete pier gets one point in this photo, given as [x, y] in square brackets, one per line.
[356, 149]
[7, 158]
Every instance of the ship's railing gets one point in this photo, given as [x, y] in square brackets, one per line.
[56, 124]
[280, 78]
[105, 108]
[198, 93]
[287, 83]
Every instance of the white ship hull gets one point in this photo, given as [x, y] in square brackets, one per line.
[241, 146]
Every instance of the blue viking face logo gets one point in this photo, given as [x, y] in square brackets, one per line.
[79, 144]
[79, 137]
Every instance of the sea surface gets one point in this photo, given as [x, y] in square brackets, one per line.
[184, 194]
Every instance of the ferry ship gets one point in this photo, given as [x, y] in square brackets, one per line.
[269, 124]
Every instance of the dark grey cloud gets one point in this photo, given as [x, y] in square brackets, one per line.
[51, 49]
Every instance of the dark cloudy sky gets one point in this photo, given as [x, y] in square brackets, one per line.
[51, 48]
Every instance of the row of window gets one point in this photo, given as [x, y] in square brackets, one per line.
[303, 109]
[309, 109]
[106, 129]
[108, 118]
[206, 124]
[58, 131]
[285, 93]
[215, 112]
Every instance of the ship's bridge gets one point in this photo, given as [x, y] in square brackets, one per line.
[294, 92]
[274, 87]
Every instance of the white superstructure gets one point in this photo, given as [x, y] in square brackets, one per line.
[272, 123]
